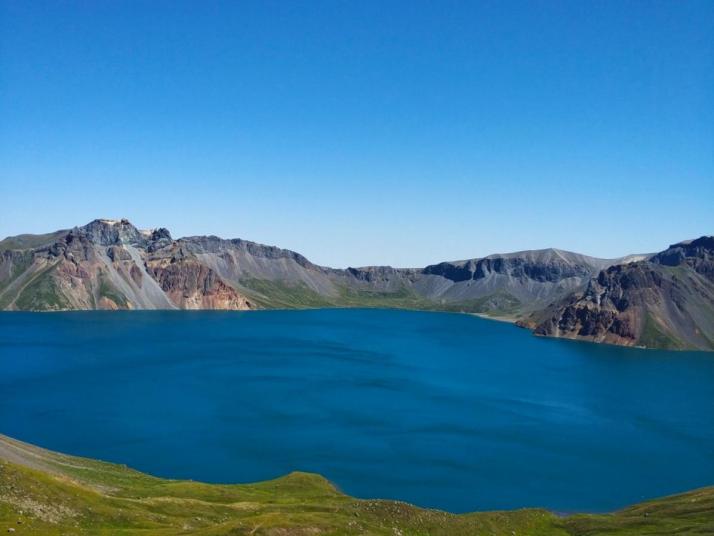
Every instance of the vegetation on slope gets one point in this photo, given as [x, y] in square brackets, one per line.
[403, 298]
[282, 295]
[109, 291]
[42, 294]
[21, 263]
[297, 295]
[497, 304]
[45, 493]
[655, 336]
[28, 241]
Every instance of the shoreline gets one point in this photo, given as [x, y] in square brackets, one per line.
[91, 473]
[506, 319]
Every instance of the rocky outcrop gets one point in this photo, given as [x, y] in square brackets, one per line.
[542, 266]
[192, 285]
[110, 232]
[696, 254]
[666, 301]
[511, 284]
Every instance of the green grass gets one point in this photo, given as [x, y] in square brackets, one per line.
[403, 298]
[21, 262]
[653, 336]
[297, 295]
[108, 290]
[53, 494]
[277, 294]
[42, 293]
[689, 513]
[499, 304]
[283, 295]
[29, 241]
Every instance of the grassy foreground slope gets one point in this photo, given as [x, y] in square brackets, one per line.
[46, 493]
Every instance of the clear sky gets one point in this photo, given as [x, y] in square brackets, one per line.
[357, 133]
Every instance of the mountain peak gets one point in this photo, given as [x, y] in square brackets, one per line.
[702, 247]
[109, 232]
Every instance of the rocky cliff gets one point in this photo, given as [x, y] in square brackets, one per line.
[665, 301]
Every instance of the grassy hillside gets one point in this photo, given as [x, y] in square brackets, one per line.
[281, 295]
[27, 241]
[296, 295]
[42, 294]
[45, 493]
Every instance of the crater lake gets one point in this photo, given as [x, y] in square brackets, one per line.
[442, 410]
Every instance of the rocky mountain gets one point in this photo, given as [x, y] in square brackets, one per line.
[664, 301]
[110, 264]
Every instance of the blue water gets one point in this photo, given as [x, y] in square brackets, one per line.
[442, 410]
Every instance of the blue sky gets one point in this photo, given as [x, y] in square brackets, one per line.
[357, 133]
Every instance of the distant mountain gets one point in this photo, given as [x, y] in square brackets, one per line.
[110, 264]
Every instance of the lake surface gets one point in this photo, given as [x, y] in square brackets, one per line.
[442, 410]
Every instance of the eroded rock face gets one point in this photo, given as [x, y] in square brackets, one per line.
[592, 322]
[666, 301]
[451, 271]
[381, 274]
[118, 253]
[110, 232]
[104, 265]
[136, 275]
[216, 245]
[192, 285]
[548, 266]
[697, 254]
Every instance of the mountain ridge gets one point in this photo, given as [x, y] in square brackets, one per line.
[110, 264]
